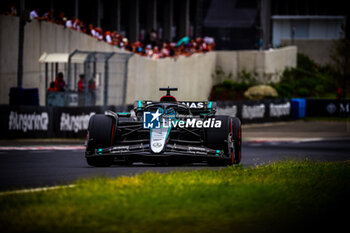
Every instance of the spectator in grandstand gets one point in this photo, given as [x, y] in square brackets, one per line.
[99, 33]
[120, 43]
[78, 25]
[165, 50]
[171, 47]
[151, 38]
[75, 23]
[48, 16]
[60, 84]
[81, 83]
[82, 27]
[81, 88]
[92, 31]
[156, 53]
[137, 47]
[92, 90]
[148, 51]
[92, 84]
[339, 93]
[210, 43]
[151, 46]
[11, 10]
[69, 22]
[108, 37]
[61, 20]
[198, 44]
[34, 14]
[124, 43]
[52, 87]
[113, 37]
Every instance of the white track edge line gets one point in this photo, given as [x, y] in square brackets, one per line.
[4, 148]
[33, 190]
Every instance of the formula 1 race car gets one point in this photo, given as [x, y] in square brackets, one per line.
[164, 132]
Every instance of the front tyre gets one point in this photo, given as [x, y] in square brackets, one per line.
[227, 138]
[235, 140]
[100, 135]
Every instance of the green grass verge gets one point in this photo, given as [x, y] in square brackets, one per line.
[282, 197]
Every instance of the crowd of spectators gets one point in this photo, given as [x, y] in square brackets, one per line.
[150, 47]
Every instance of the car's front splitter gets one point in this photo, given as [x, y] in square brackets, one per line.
[145, 151]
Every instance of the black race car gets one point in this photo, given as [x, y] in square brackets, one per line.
[164, 132]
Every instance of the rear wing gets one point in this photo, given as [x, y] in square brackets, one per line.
[196, 107]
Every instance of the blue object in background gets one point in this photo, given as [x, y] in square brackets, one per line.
[298, 108]
[21, 96]
[185, 40]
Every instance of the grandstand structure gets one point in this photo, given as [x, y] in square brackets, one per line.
[235, 24]
[244, 31]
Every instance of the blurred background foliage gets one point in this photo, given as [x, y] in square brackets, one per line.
[307, 80]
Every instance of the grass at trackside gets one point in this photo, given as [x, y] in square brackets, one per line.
[286, 196]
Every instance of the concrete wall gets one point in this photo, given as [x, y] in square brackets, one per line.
[192, 75]
[8, 55]
[269, 64]
[317, 49]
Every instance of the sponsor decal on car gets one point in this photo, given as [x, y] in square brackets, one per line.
[194, 104]
[191, 105]
[157, 144]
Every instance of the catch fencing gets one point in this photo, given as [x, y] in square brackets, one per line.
[102, 77]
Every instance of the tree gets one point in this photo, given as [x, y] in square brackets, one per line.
[340, 54]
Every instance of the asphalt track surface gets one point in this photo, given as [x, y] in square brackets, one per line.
[20, 169]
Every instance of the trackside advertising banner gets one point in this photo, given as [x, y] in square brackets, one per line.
[327, 108]
[25, 122]
[46, 122]
[257, 111]
[72, 122]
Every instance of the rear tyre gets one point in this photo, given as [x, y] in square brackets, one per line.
[100, 135]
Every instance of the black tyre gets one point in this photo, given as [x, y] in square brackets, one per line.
[216, 137]
[236, 134]
[100, 135]
[227, 138]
